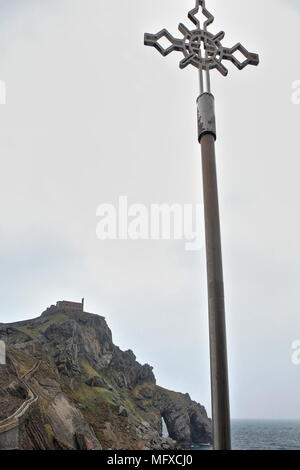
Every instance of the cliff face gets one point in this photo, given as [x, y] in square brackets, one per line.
[85, 392]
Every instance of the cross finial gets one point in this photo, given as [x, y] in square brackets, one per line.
[195, 41]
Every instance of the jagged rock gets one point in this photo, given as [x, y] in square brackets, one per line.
[69, 424]
[35, 438]
[123, 412]
[145, 431]
[105, 361]
[80, 441]
[131, 373]
[146, 393]
[186, 420]
[144, 426]
[17, 390]
[163, 443]
[82, 336]
[143, 405]
[97, 381]
[168, 443]
[78, 364]
[11, 334]
[121, 380]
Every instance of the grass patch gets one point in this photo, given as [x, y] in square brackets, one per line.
[36, 330]
[91, 396]
[24, 363]
[88, 369]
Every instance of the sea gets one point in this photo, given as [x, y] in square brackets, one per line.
[263, 435]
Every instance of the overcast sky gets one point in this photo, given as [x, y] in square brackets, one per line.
[92, 114]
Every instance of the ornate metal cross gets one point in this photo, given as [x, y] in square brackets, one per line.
[205, 51]
[201, 48]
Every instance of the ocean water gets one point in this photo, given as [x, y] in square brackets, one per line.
[263, 435]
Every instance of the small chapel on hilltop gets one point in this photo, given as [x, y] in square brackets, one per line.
[67, 305]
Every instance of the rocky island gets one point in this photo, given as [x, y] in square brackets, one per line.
[66, 386]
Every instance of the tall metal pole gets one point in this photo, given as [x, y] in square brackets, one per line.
[215, 285]
[214, 265]
[216, 307]
[191, 47]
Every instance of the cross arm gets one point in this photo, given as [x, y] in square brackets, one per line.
[153, 40]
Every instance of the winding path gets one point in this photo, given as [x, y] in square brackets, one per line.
[12, 421]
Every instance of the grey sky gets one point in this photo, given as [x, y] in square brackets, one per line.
[92, 114]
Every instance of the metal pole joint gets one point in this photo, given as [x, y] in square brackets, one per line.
[206, 115]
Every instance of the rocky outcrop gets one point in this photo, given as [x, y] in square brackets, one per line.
[91, 394]
[129, 373]
[97, 381]
[17, 390]
[81, 336]
[186, 420]
[69, 425]
[154, 438]
[123, 412]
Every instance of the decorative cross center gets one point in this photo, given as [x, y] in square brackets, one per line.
[200, 47]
